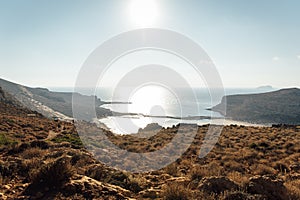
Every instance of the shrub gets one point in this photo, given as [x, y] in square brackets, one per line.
[53, 174]
[5, 173]
[118, 178]
[234, 166]
[177, 191]
[281, 166]
[39, 144]
[97, 172]
[263, 170]
[73, 139]
[238, 178]
[133, 185]
[171, 169]
[29, 166]
[4, 140]
[32, 153]
[293, 188]
[197, 174]
[253, 146]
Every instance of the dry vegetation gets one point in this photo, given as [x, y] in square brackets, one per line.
[246, 163]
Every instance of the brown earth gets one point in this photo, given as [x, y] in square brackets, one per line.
[45, 159]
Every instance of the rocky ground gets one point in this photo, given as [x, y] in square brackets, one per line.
[45, 159]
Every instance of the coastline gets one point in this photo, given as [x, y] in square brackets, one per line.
[113, 123]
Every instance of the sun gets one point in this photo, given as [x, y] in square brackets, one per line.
[143, 13]
[145, 98]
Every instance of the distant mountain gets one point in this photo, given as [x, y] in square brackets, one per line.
[51, 104]
[282, 106]
[265, 88]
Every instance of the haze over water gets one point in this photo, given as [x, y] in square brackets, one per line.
[151, 103]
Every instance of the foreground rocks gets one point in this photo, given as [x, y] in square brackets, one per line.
[89, 188]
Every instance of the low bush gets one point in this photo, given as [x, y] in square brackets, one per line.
[53, 174]
[32, 153]
[73, 139]
[177, 191]
[5, 141]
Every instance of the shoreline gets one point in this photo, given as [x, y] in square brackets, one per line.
[112, 123]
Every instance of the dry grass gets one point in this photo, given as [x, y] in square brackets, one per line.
[293, 188]
[53, 174]
[172, 169]
[198, 172]
[262, 169]
[33, 153]
[238, 178]
[176, 191]
[240, 153]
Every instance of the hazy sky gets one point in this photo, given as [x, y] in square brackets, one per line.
[253, 43]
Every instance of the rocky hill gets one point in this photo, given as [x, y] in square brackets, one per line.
[51, 104]
[11, 106]
[42, 158]
[278, 107]
[6, 98]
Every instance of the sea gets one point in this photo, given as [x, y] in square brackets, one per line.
[155, 104]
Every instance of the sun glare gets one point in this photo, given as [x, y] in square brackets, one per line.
[143, 13]
[148, 100]
[145, 98]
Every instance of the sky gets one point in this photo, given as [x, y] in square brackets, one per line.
[252, 43]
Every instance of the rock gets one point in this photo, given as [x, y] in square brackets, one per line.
[92, 189]
[217, 185]
[182, 180]
[7, 187]
[165, 176]
[2, 196]
[272, 189]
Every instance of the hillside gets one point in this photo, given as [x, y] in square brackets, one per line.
[41, 158]
[11, 106]
[48, 103]
[278, 107]
[44, 159]
[6, 98]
